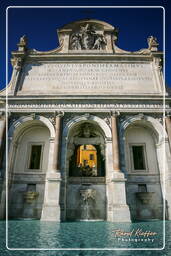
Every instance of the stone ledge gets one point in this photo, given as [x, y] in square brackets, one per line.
[88, 180]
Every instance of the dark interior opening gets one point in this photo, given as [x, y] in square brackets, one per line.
[138, 157]
[35, 156]
[91, 164]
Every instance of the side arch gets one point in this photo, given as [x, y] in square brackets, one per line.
[23, 121]
[149, 133]
[148, 121]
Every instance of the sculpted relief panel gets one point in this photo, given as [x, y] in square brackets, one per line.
[87, 38]
[88, 78]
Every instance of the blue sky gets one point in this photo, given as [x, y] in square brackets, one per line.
[40, 25]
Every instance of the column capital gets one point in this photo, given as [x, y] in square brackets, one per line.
[115, 113]
[141, 116]
[51, 139]
[59, 113]
[33, 115]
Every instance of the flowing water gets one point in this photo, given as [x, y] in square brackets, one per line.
[90, 238]
[87, 204]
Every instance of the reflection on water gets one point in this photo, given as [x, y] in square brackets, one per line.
[37, 234]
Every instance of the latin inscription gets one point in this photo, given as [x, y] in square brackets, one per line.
[88, 77]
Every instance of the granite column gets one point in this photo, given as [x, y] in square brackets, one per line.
[115, 144]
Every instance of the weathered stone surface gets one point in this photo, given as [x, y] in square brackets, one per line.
[87, 78]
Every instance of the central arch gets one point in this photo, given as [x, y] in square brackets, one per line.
[85, 189]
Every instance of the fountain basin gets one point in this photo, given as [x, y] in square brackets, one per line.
[145, 197]
[30, 196]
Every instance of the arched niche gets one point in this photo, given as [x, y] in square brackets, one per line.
[91, 131]
[140, 149]
[32, 142]
[29, 137]
[142, 138]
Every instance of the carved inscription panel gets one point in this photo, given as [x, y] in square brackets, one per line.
[91, 78]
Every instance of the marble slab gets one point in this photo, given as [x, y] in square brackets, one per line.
[89, 78]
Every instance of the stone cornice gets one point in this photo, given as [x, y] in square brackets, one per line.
[84, 97]
[88, 107]
[90, 56]
[34, 55]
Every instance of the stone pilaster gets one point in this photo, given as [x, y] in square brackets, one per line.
[121, 212]
[51, 207]
[17, 63]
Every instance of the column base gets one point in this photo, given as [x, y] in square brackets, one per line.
[54, 175]
[51, 208]
[51, 213]
[121, 213]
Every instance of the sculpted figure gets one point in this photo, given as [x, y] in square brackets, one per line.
[76, 42]
[152, 41]
[23, 40]
[86, 131]
[86, 37]
[99, 43]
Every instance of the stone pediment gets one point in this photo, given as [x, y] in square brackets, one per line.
[85, 37]
[98, 23]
